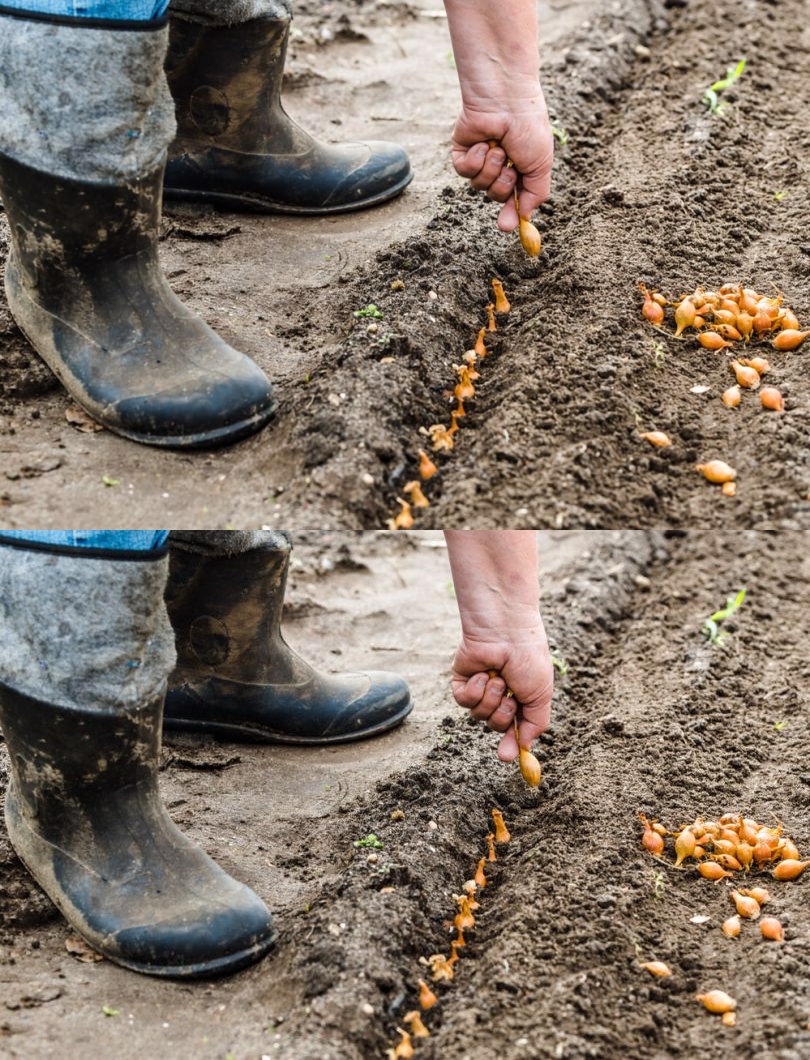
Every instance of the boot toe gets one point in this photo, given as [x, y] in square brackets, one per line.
[384, 704]
[385, 173]
[211, 410]
[234, 933]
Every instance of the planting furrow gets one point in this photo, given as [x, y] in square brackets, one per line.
[668, 724]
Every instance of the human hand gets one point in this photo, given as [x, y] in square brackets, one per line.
[523, 664]
[523, 135]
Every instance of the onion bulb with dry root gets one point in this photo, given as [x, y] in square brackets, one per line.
[502, 304]
[501, 831]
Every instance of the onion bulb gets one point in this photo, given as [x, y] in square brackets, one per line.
[731, 927]
[530, 768]
[480, 878]
[427, 999]
[657, 968]
[657, 438]
[501, 831]
[414, 1021]
[710, 340]
[480, 348]
[731, 397]
[789, 339]
[789, 850]
[684, 846]
[491, 325]
[405, 1050]
[710, 870]
[491, 855]
[729, 1019]
[685, 315]
[717, 471]
[729, 489]
[746, 377]
[530, 238]
[413, 491]
[502, 304]
[651, 840]
[789, 869]
[771, 398]
[427, 469]
[759, 364]
[746, 907]
[771, 928]
[717, 1001]
[651, 310]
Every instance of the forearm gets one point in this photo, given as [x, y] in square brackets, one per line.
[495, 48]
[495, 578]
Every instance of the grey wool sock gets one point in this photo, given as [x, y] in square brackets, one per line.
[84, 630]
[84, 103]
[231, 12]
[230, 542]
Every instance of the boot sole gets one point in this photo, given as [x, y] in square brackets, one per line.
[214, 968]
[256, 734]
[260, 204]
[234, 432]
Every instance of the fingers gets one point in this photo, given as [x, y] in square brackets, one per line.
[486, 169]
[486, 699]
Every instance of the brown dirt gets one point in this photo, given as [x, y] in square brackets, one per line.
[649, 187]
[650, 717]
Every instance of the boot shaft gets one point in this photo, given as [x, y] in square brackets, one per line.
[226, 613]
[72, 239]
[226, 82]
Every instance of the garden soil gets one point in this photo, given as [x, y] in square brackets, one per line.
[649, 717]
[649, 187]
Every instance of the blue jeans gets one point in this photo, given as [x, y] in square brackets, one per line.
[114, 540]
[115, 10]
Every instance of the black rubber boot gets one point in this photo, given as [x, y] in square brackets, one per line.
[85, 286]
[237, 678]
[83, 809]
[237, 147]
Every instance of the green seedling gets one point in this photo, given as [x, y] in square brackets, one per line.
[659, 884]
[559, 664]
[711, 627]
[370, 311]
[110, 481]
[560, 133]
[711, 97]
[110, 1011]
[780, 726]
[659, 355]
[780, 196]
[369, 841]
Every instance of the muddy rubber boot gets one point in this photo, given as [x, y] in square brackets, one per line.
[237, 678]
[85, 650]
[237, 147]
[81, 174]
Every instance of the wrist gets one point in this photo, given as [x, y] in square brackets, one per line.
[517, 625]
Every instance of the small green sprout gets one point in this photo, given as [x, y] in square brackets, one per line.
[780, 726]
[369, 841]
[780, 196]
[659, 355]
[659, 884]
[559, 664]
[110, 481]
[711, 97]
[110, 1011]
[711, 627]
[369, 311]
[560, 133]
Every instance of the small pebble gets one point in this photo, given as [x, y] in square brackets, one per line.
[366, 1009]
[432, 826]
[367, 480]
[432, 296]
[642, 52]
